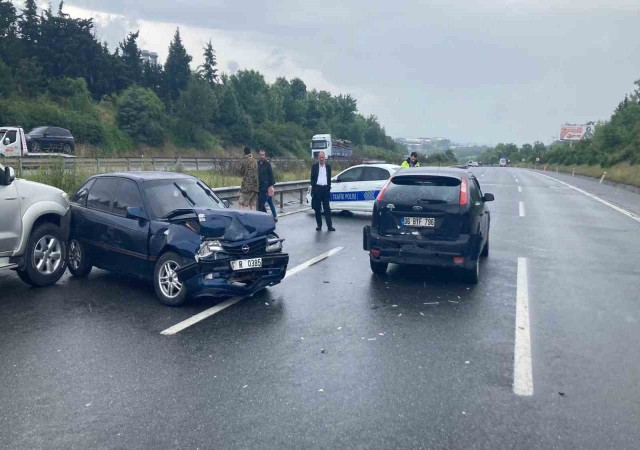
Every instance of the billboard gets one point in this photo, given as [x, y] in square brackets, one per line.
[576, 132]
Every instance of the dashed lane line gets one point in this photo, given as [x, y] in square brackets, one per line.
[519, 188]
[522, 361]
[232, 301]
[521, 208]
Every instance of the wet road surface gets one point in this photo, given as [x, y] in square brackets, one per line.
[338, 357]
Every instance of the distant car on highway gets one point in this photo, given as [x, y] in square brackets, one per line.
[173, 229]
[503, 162]
[472, 164]
[51, 139]
[356, 188]
[430, 216]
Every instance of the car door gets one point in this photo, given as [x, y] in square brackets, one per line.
[9, 145]
[129, 237]
[11, 217]
[477, 207]
[373, 180]
[95, 221]
[344, 190]
[486, 215]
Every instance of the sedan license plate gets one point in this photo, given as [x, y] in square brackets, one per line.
[426, 222]
[242, 264]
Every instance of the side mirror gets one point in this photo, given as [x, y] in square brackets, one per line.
[9, 175]
[7, 141]
[136, 213]
[488, 197]
[225, 202]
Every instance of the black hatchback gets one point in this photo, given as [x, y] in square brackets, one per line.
[430, 216]
[50, 139]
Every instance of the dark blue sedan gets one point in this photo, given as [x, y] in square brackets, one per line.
[173, 229]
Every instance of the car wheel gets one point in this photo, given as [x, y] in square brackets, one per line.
[473, 275]
[168, 288]
[485, 250]
[46, 256]
[78, 264]
[36, 147]
[66, 149]
[379, 268]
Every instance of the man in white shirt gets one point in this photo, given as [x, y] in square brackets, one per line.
[321, 191]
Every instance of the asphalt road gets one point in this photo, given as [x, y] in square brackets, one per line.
[335, 357]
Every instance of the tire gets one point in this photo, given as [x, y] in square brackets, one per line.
[472, 276]
[45, 257]
[379, 268]
[35, 147]
[485, 250]
[77, 260]
[66, 149]
[168, 289]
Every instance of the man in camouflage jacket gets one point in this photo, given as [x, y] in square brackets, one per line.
[249, 187]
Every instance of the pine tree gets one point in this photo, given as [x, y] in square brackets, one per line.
[208, 71]
[131, 58]
[176, 69]
[29, 26]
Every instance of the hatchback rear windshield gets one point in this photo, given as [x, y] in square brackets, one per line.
[423, 188]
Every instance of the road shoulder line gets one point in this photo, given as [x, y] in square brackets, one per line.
[522, 364]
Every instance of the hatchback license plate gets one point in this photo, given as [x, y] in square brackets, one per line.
[428, 222]
[242, 264]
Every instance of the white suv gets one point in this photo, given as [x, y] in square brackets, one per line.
[34, 229]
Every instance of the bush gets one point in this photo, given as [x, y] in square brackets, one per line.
[141, 115]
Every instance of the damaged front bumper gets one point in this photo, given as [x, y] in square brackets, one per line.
[215, 277]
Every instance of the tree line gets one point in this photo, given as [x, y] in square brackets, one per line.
[107, 96]
[614, 141]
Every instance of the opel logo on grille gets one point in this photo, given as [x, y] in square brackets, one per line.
[245, 248]
[417, 208]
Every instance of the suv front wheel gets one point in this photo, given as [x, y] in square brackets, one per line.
[45, 257]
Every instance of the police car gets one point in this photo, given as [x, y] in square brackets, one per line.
[356, 188]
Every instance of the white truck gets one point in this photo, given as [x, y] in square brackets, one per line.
[332, 148]
[13, 142]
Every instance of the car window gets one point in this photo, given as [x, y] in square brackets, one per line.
[475, 181]
[411, 189]
[80, 197]
[100, 193]
[11, 134]
[127, 196]
[39, 130]
[350, 175]
[375, 174]
[474, 191]
[165, 196]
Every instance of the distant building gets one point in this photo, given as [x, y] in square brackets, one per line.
[149, 57]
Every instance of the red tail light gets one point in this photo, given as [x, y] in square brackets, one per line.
[464, 197]
[384, 189]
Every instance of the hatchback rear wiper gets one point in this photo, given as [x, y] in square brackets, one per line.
[178, 212]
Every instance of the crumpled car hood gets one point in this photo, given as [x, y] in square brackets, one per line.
[232, 225]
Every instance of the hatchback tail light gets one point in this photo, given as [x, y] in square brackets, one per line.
[464, 196]
[384, 189]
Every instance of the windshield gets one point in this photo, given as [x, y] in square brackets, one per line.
[165, 196]
[318, 144]
[430, 189]
[38, 130]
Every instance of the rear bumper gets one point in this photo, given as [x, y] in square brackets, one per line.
[462, 252]
[216, 278]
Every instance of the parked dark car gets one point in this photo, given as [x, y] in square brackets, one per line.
[173, 229]
[430, 216]
[52, 139]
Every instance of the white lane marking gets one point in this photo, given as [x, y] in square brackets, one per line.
[517, 180]
[294, 212]
[312, 261]
[232, 301]
[522, 364]
[521, 204]
[519, 188]
[596, 198]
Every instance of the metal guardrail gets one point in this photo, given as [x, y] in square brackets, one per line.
[301, 187]
[133, 164]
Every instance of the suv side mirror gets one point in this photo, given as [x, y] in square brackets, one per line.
[9, 175]
[136, 213]
[488, 197]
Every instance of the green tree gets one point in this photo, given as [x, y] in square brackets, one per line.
[197, 107]
[30, 79]
[29, 27]
[6, 80]
[131, 57]
[230, 112]
[208, 70]
[141, 115]
[176, 68]
[252, 93]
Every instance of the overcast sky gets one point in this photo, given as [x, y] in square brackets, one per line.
[482, 71]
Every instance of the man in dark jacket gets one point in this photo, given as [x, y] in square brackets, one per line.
[321, 191]
[265, 180]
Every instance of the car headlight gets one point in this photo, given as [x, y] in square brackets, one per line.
[208, 248]
[274, 243]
